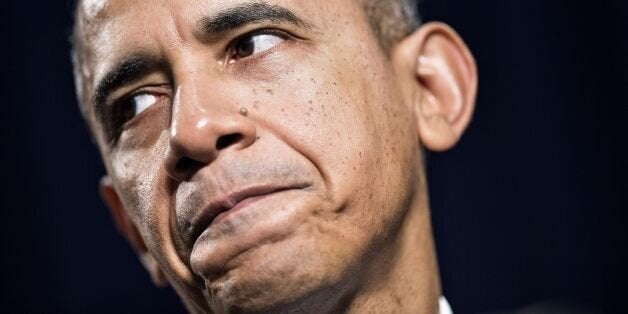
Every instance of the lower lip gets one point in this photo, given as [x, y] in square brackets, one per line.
[239, 206]
[253, 222]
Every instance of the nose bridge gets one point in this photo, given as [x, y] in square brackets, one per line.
[192, 106]
[205, 121]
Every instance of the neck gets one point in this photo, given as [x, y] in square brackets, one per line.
[404, 278]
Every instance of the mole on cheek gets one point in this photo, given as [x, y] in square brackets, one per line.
[244, 111]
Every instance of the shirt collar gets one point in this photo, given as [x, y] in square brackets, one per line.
[443, 306]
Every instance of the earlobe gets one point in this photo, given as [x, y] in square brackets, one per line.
[126, 227]
[443, 75]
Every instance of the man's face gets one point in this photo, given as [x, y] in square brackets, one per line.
[263, 156]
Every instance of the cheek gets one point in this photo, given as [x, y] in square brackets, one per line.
[318, 116]
[348, 122]
[141, 184]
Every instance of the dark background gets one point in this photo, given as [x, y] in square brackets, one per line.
[530, 207]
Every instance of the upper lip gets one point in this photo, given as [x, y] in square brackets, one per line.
[227, 201]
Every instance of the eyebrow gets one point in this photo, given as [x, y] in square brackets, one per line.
[248, 13]
[130, 69]
[133, 67]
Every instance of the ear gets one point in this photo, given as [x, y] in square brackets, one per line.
[129, 231]
[440, 72]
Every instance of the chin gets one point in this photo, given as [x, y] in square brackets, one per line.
[287, 276]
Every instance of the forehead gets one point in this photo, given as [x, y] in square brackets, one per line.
[101, 8]
[111, 28]
[103, 22]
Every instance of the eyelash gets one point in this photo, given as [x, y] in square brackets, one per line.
[230, 50]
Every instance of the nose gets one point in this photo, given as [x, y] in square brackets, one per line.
[201, 129]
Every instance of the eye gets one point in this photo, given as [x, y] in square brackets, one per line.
[123, 110]
[138, 103]
[253, 44]
[133, 106]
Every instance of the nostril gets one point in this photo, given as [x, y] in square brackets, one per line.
[228, 140]
[187, 165]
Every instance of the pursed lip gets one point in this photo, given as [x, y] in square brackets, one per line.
[231, 201]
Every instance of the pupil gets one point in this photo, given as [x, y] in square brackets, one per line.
[245, 48]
